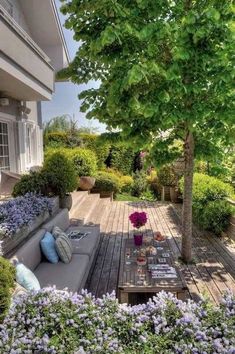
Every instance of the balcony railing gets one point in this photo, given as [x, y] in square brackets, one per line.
[6, 15]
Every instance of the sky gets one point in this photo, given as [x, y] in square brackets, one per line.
[65, 98]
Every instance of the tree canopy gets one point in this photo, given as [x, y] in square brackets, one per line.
[166, 71]
[162, 65]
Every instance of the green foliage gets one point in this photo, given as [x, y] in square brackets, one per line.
[7, 277]
[60, 124]
[126, 197]
[210, 210]
[122, 158]
[84, 161]
[139, 184]
[56, 139]
[34, 182]
[157, 75]
[98, 145]
[106, 182]
[153, 183]
[60, 174]
[126, 184]
[167, 176]
[148, 195]
[214, 216]
[207, 188]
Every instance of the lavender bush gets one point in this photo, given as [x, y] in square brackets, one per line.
[52, 321]
[21, 211]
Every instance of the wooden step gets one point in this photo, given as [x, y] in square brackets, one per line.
[78, 198]
[80, 214]
[99, 212]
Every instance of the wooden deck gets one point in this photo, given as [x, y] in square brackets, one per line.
[212, 274]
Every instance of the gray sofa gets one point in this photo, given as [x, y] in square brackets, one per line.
[73, 275]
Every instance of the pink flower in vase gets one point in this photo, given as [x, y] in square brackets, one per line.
[138, 219]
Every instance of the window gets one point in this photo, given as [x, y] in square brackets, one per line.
[4, 147]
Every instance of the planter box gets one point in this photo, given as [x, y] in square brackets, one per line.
[9, 244]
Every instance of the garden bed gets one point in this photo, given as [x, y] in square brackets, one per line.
[52, 321]
[20, 217]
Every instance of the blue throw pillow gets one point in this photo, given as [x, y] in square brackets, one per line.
[48, 248]
[26, 278]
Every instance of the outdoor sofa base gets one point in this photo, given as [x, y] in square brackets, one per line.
[73, 275]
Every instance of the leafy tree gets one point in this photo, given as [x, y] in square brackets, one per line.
[166, 72]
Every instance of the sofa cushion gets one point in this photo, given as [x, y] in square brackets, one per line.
[89, 243]
[30, 253]
[63, 275]
[56, 232]
[48, 248]
[19, 290]
[26, 278]
[61, 220]
[64, 248]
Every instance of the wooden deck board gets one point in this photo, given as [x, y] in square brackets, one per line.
[212, 274]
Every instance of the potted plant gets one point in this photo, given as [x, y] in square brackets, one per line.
[138, 219]
[107, 184]
[85, 164]
[168, 180]
[61, 178]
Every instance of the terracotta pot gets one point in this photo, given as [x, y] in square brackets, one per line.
[86, 183]
[66, 202]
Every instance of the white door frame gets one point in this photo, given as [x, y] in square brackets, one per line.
[10, 120]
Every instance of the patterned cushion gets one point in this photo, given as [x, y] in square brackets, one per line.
[64, 248]
[26, 278]
[19, 290]
[48, 248]
[56, 232]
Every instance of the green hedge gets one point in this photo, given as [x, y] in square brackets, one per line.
[210, 209]
[106, 182]
[7, 278]
[57, 177]
[84, 161]
[100, 147]
[34, 182]
[60, 175]
[122, 158]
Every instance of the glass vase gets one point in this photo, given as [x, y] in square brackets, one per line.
[138, 238]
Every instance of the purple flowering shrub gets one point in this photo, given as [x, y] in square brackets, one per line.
[138, 219]
[53, 321]
[21, 211]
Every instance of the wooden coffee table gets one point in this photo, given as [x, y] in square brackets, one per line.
[139, 279]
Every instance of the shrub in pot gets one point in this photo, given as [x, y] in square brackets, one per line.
[61, 177]
[106, 184]
[7, 278]
[167, 178]
[85, 164]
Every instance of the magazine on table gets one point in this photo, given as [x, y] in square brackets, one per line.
[164, 276]
[77, 235]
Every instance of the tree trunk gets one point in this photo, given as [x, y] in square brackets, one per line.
[187, 198]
